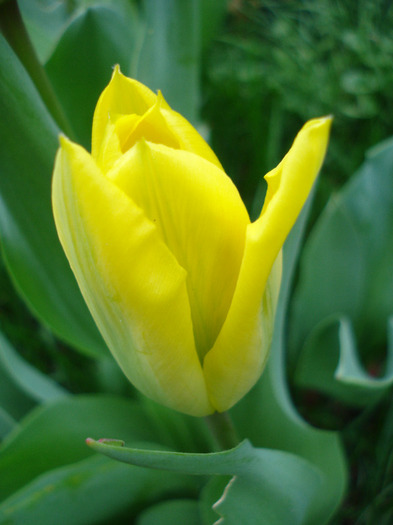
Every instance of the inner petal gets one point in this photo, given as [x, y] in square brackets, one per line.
[201, 218]
[151, 126]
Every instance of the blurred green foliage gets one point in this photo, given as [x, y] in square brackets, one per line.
[272, 65]
[278, 63]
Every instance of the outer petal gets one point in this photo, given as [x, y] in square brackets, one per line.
[235, 363]
[201, 218]
[133, 285]
[189, 139]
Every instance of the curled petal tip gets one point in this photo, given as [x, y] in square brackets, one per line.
[321, 121]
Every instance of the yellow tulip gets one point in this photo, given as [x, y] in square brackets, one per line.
[182, 286]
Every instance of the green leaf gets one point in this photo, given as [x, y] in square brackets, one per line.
[26, 378]
[329, 363]
[78, 80]
[269, 485]
[7, 423]
[171, 512]
[54, 435]
[169, 58]
[94, 490]
[32, 252]
[278, 488]
[269, 419]
[347, 264]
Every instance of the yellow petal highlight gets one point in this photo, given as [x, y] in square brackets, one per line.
[230, 371]
[201, 219]
[132, 284]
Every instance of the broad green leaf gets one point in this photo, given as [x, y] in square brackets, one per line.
[94, 490]
[54, 435]
[172, 40]
[32, 252]
[26, 378]
[329, 363]
[170, 512]
[98, 32]
[270, 486]
[169, 58]
[268, 417]
[279, 488]
[347, 262]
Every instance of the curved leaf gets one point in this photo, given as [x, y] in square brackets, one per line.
[270, 486]
[329, 363]
[347, 262]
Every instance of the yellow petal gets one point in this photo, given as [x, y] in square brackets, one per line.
[200, 217]
[132, 284]
[238, 356]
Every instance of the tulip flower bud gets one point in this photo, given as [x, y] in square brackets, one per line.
[182, 286]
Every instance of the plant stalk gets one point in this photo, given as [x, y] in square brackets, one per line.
[14, 31]
[223, 430]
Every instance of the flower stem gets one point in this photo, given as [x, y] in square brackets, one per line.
[223, 430]
[13, 29]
